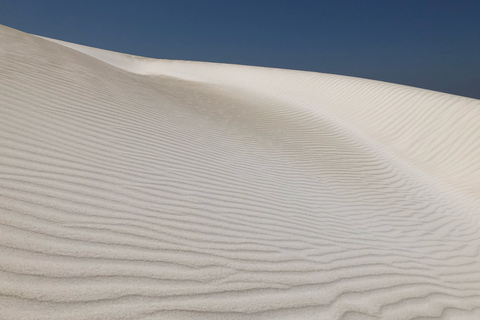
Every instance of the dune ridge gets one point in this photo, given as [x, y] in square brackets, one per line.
[136, 188]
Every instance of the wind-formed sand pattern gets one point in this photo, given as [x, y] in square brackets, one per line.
[134, 188]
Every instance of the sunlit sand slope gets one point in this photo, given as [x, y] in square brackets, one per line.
[134, 188]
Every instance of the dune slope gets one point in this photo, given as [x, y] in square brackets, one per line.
[135, 188]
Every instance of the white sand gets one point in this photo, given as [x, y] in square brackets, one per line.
[134, 188]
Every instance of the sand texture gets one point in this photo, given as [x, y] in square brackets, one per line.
[135, 188]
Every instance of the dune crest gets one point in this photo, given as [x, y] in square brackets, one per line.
[136, 188]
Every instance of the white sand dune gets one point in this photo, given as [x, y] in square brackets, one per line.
[134, 188]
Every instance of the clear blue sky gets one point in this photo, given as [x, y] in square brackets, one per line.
[432, 44]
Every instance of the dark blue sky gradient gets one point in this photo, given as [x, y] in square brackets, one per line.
[431, 44]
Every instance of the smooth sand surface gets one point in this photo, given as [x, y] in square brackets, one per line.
[135, 188]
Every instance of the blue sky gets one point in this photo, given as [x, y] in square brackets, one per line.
[431, 44]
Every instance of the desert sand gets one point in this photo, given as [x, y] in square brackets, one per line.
[136, 188]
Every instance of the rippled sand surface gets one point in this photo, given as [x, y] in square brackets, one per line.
[135, 188]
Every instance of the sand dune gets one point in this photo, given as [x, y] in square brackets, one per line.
[135, 188]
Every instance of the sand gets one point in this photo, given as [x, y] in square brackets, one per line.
[136, 188]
